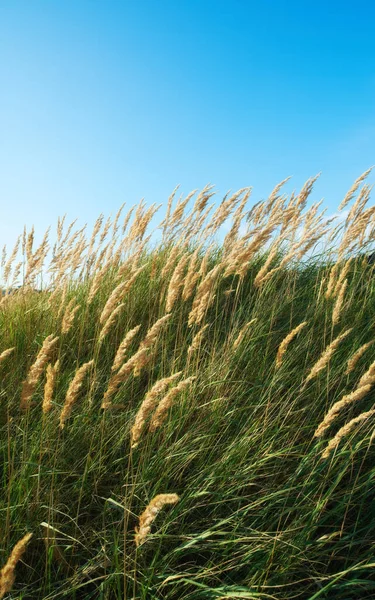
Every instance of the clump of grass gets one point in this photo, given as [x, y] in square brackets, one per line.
[184, 369]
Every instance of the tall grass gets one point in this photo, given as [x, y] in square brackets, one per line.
[189, 415]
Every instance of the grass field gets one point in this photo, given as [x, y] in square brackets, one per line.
[190, 415]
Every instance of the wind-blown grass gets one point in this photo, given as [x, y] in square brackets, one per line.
[198, 371]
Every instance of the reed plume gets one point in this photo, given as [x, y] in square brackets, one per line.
[238, 261]
[176, 283]
[264, 269]
[49, 387]
[69, 314]
[149, 403]
[326, 355]
[344, 431]
[35, 261]
[286, 341]
[153, 332]
[115, 226]
[342, 276]
[137, 361]
[203, 297]
[356, 356]
[339, 303]
[73, 391]
[237, 342]
[123, 348]
[118, 294]
[364, 386]
[105, 231]
[350, 194]
[205, 261]
[110, 321]
[147, 517]
[196, 341]
[127, 219]
[172, 258]
[36, 369]
[97, 281]
[166, 402]
[5, 354]
[29, 244]
[54, 294]
[332, 280]
[192, 275]
[196, 315]
[97, 226]
[63, 290]
[7, 574]
[8, 265]
[332, 414]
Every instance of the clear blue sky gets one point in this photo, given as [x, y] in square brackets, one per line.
[105, 101]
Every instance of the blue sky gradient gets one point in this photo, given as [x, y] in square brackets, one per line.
[109, 101]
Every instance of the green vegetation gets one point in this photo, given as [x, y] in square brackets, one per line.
[261, 514]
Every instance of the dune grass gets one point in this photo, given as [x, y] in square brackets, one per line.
[166, 445]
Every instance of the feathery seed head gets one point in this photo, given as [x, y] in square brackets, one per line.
[344, 431]
[149, 514]
[73, 391]
[7, 575]
[36, 369]
[326, 355]
[149, 403]
[286, 341]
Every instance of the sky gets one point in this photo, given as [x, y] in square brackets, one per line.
[106, 101]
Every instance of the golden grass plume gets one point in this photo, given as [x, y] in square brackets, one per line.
[286, 341]
[123, 348]
[69, 314]
[110, 322]
[165, 403]
[242, 333]
[6, 353]
[337, 309]
[49, 387]
[176, 283]
[36, 369]
[149, 403]
[118, 294]
[7, 574]
[148, 516]
[364, 386]
[73, 391]
[344, 431]
[197, 340]
[326, 355]
[352, 362]
[137, 361]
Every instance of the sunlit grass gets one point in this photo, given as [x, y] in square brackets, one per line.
[179, 460]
